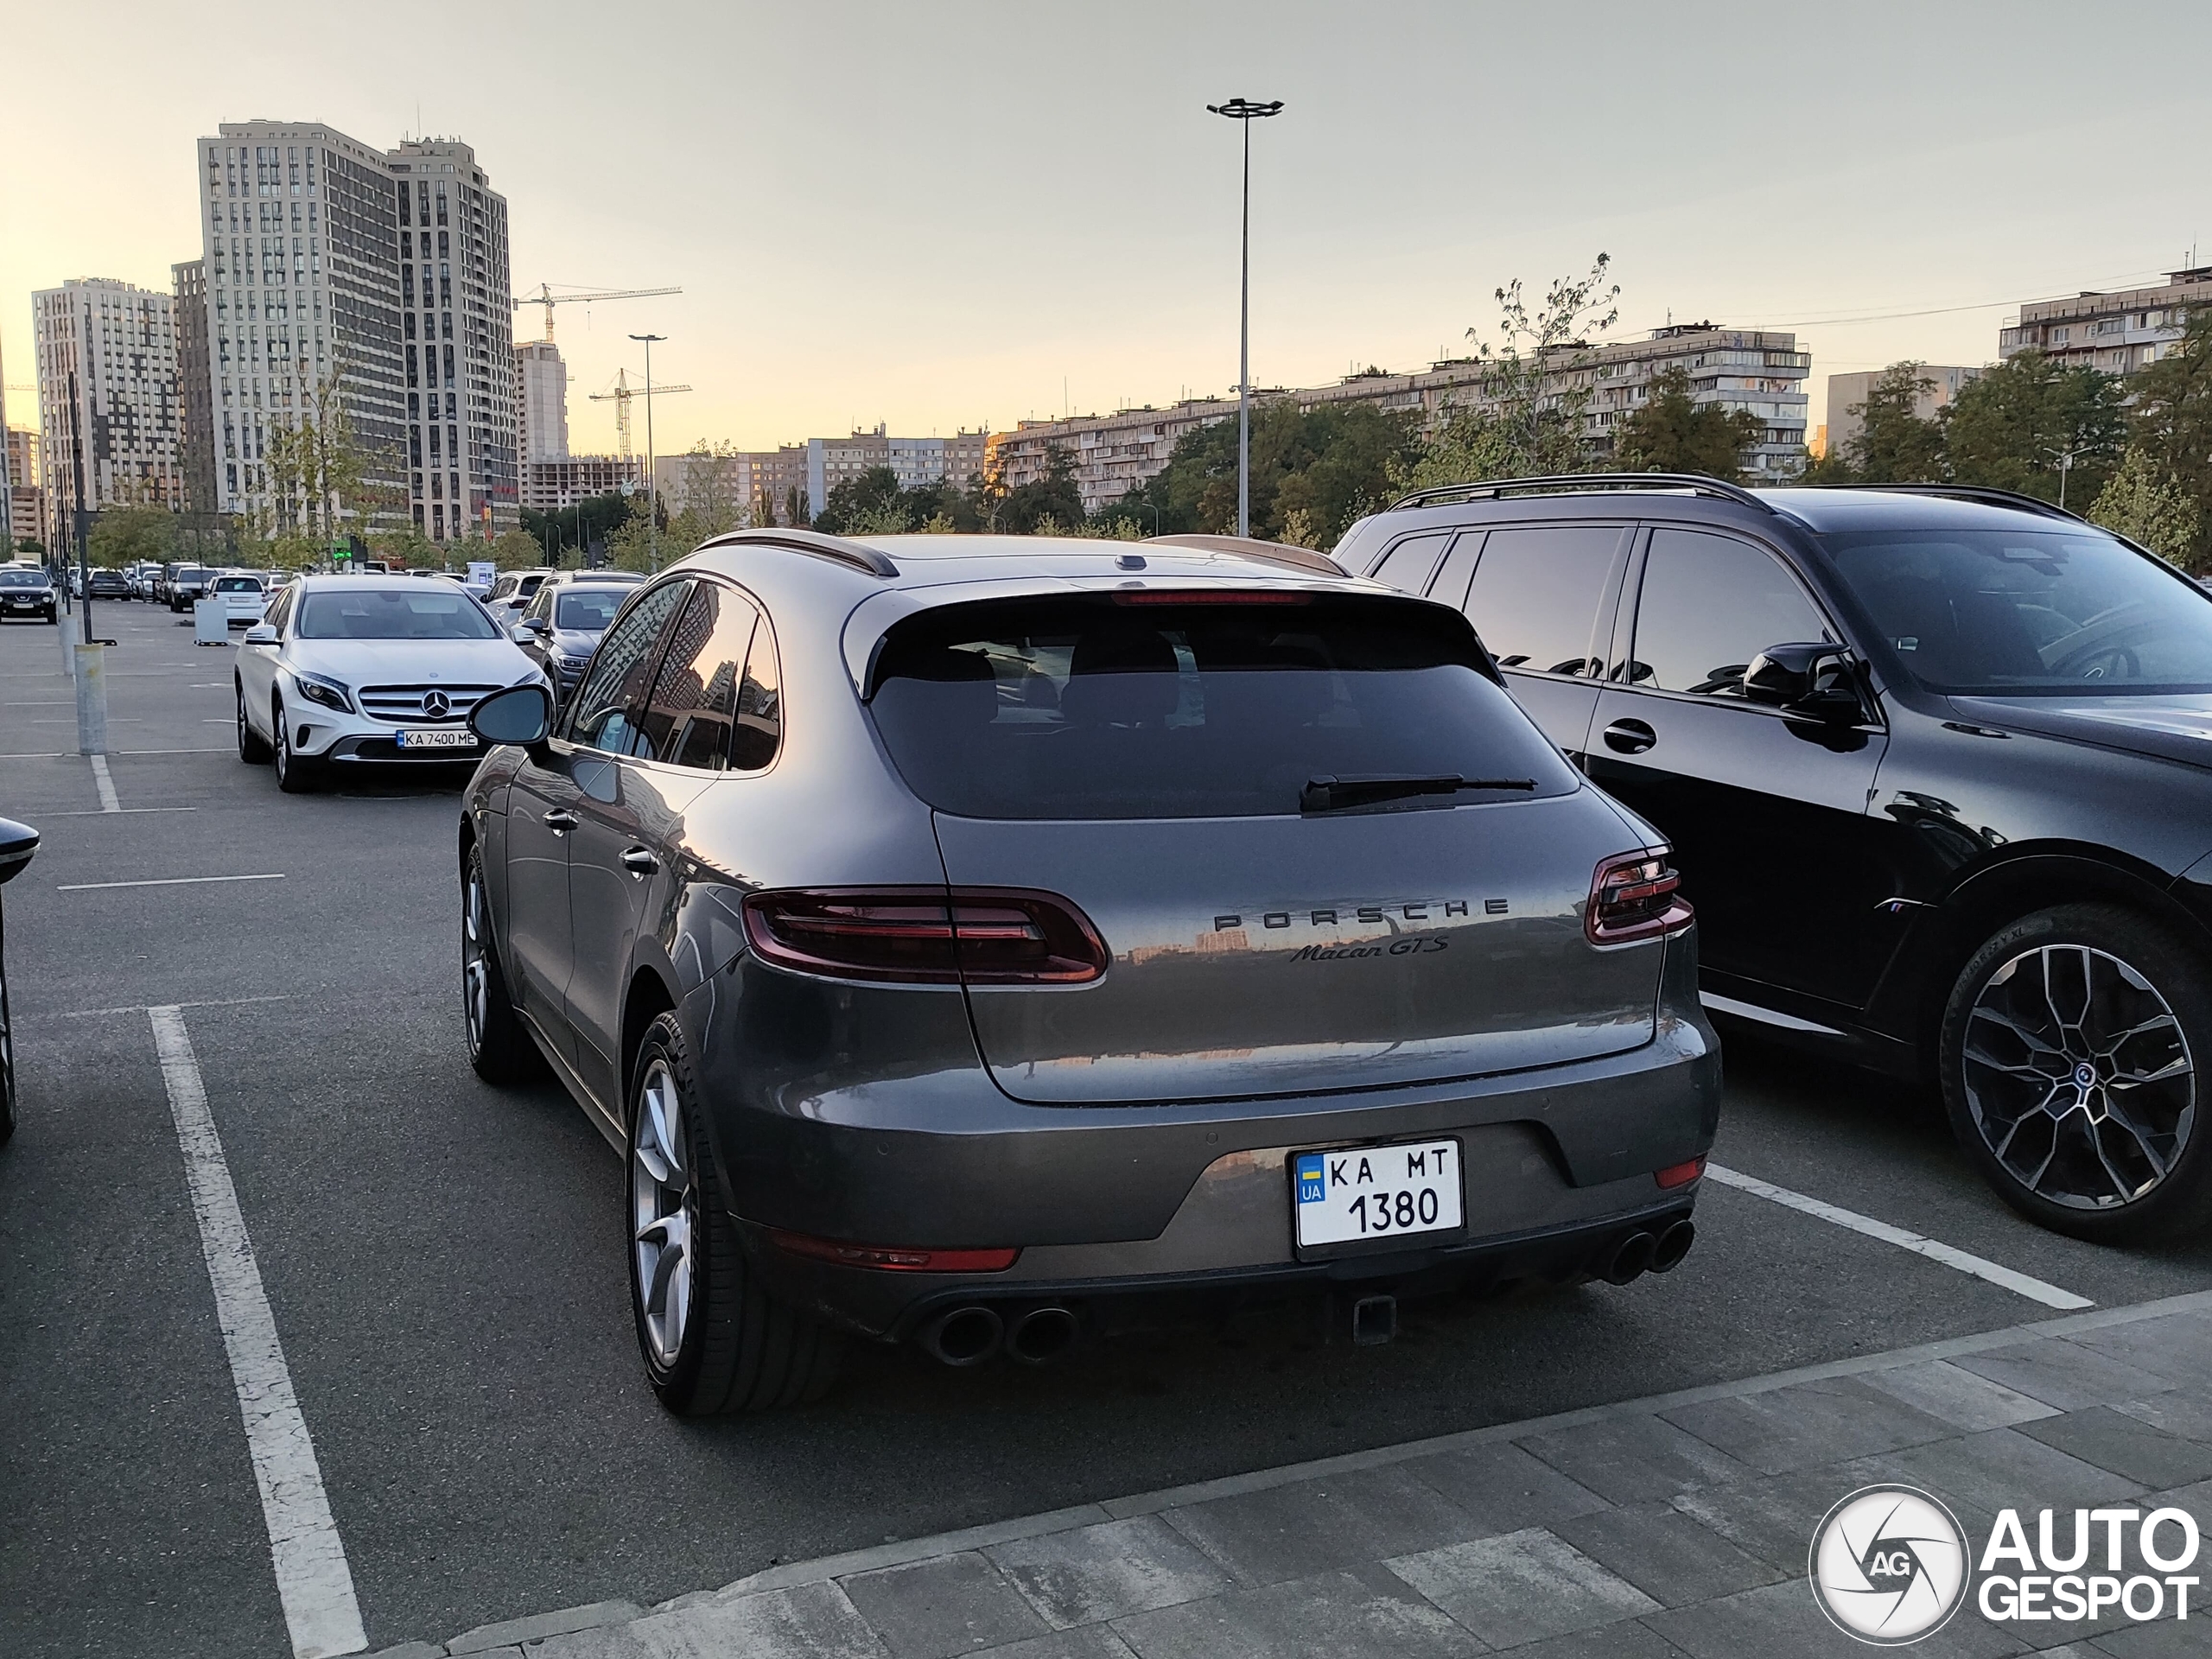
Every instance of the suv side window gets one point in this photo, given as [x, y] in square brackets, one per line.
[538, 606]
[1408, 566]
[603, 712]
[1536, 593]
[1709, 604]
[280, 609]
[687, 721]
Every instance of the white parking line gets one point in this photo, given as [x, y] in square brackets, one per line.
[165, 882]
[2018, 1283]
[104, 783]
[125, 812]
[313, 1581]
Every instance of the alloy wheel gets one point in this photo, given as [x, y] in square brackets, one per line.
[475, 969]
[245, 736]
[2078, 1076]
[662, 1213]
[283, 747]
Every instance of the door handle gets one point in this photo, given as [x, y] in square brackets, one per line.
[560, 820]
[639, 863]
[1630, 737]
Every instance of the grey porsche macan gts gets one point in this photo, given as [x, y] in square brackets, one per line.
[968, 940]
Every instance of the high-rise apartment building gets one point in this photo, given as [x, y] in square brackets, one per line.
[913, 461]
[542, 388]
[457, 310]
[28, 518]
[195, 385]
[7, 474]
[301, 276]
[2112, 332]
[550, 486]
[107, 394]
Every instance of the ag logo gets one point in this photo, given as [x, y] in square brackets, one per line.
[1889, 1565]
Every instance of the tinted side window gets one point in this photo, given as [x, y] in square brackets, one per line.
[606, 704]
[694, 703]
[1709, 604]
[280, 610]
[1535, 596]
[1408, 566]
[760, 730]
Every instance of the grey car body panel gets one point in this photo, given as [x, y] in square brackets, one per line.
[866, 1112]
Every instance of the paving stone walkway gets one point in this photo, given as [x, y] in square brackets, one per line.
[1674, 1525]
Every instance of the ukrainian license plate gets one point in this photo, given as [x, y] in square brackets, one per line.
[446, 739]
[1354, 1194]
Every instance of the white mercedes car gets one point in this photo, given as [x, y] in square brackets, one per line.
[368, 670]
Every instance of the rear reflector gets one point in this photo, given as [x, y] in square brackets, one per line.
[926, 936]
[1679, 1174]
[891, 1259]
[1635, 896]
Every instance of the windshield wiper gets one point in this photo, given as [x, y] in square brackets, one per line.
[1331, 794]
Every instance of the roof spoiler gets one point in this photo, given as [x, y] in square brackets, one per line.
[856, 555]
[1299, 558]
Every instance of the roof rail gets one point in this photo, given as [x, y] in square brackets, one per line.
[1575, 483]
[1992, 497]
[1299, 558]
[855, 554]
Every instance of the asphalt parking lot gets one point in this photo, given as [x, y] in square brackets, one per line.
[441, 1258]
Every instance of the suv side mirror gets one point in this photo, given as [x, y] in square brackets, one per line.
[17, 842]
[521, 714]
[1811, 679]
[260, 635]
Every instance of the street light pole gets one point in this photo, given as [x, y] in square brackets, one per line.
[652, 488]
[1245, 111]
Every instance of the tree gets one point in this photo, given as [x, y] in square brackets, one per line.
[514, 550]
[1526, 417]
[714, 492]
[873, 491]
[2149, 506]
[2008, 429]
[1674, 432]
[1054, 497]
[1894, 444]
[1317, 468]
[2170, 419]
[563, 532]
[123, 536]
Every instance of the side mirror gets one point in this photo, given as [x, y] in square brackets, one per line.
[17, 842]
[1810, 679]
[522, 635]
[260, 635]
[521, 714]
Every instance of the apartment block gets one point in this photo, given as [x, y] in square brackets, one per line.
[1760, 370]
[549, 486]
[2112, 332]
[542, 401]
[28, 518]
[7, 473]
[107, 394]
[195, 385]
[1940, 383]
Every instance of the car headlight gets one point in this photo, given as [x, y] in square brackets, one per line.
[320, 688]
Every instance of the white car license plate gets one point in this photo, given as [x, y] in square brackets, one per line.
[1356, 1194]
[447, 739]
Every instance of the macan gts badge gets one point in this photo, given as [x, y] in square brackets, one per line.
[913, 915]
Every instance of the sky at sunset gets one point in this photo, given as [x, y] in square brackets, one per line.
[949, 214]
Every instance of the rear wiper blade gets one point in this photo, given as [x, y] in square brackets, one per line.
[1330, 794]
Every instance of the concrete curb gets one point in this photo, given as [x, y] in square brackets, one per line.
[906, 1552]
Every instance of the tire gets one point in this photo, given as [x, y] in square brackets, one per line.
[253, 748]
[499, 1049]
[7, 1064]
[712, 1337]
[295, 774]
[2071, 1053]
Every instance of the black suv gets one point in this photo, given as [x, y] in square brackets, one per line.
[1936, 764]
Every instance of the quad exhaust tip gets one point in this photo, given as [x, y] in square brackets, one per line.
[1631, 1259]
[963, 1336]
[1042, 1335]
[1674, 1244]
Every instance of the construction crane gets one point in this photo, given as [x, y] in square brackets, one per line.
[620, 396]
[546, 297]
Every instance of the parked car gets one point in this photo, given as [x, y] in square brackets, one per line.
[512, 591]
[367, 671]
[25, 590]
[187, 584]
[109, 584]
[17, 842]
[960, 934]
[560, 626]
[1936, 764]
[245, 596]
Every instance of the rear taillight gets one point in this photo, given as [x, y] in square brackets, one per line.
[927, 936]
[1635, 896]
[894, 1258]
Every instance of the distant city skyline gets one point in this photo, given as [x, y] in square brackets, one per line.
[991, 222]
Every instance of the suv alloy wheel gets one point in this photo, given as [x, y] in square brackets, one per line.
[712, 1339]
[2069, 1054]
[295, 774]
[253, 748]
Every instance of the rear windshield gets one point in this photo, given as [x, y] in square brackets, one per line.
[1113, 707]
[2036, 611]
[238, 584]
[426, 613]
[588, 609]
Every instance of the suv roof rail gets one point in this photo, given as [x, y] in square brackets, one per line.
[835, 548]
[1576, 483]
[1992, 497]
[1300, 558]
